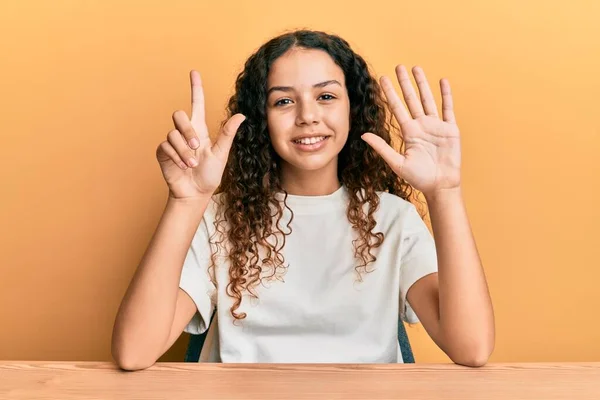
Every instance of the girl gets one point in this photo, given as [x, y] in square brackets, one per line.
[296, 224]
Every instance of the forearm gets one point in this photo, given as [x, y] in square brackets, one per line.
[466, 313]
[145, 316]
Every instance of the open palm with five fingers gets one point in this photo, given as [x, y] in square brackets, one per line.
[432, 154]
[191, 163]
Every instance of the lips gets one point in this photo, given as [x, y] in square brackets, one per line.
[309, 139]
[311, 144]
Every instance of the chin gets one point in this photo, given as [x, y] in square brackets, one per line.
[311, 163]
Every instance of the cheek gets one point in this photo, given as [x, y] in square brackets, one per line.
[278, 129]
[273, 129]
[278, 125]
[339, 120]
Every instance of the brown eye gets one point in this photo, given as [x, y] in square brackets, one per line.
[328, 97]
[280, 102]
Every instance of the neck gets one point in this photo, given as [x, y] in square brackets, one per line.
[319, 182]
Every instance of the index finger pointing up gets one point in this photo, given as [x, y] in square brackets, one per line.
[197, 99]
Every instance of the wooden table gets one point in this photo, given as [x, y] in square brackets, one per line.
[100, 380]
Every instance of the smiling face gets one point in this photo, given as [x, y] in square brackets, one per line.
[308, 114]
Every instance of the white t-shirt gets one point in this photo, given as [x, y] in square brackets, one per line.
[320, 312]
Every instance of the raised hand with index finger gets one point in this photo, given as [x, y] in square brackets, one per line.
[191, 163]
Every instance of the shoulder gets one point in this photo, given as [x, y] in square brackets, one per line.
[395, 210]
[395, 205]
[215, 206]
[211, 216]
[210, 231]
[392, 200]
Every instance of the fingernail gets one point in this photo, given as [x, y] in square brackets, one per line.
[193, 162]
[194, 143]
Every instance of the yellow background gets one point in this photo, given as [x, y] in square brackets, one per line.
[88, 89]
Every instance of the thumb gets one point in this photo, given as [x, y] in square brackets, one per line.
[225, 139]
[394, 159]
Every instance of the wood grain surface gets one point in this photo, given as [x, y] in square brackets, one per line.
[102, 380]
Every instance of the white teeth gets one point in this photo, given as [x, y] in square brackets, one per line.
[310, 140]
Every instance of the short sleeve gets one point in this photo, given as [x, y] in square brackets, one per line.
[195, 280]
[418, 259]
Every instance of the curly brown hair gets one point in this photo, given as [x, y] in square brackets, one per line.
[251, 180]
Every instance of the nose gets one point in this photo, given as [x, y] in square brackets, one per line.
[308, 114]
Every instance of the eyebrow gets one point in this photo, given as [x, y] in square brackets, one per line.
[289, 88]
